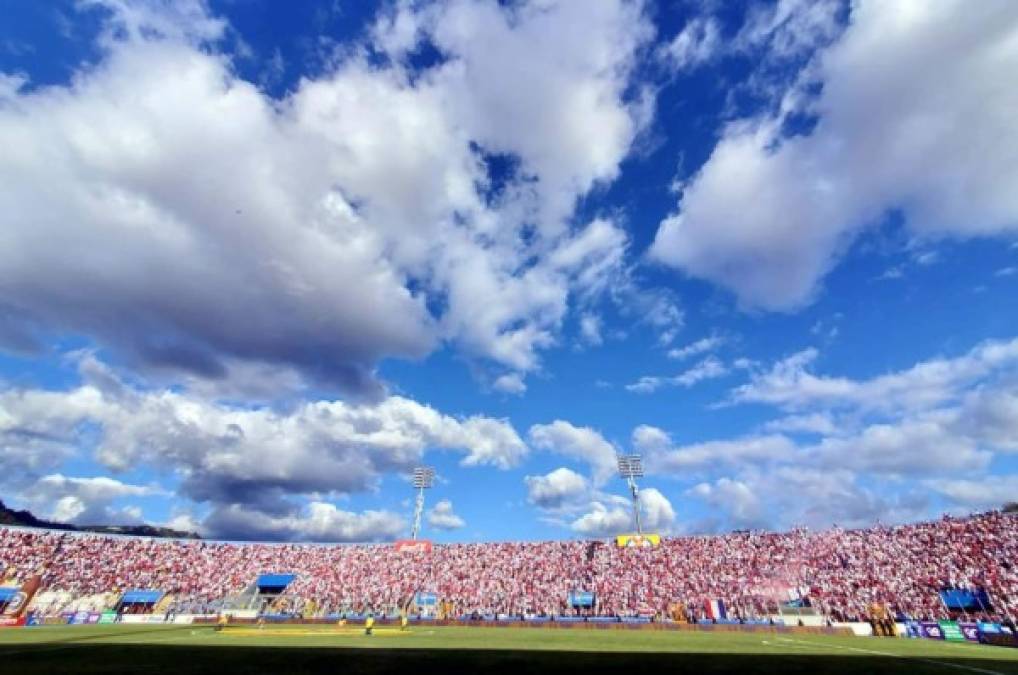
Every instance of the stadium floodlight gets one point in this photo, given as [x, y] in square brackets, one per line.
[423, 478]
[631, 468]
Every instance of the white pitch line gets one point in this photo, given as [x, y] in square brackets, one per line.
[771, 644]
[971, 669]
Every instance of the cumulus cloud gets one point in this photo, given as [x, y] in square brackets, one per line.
[246, 460]
[590, 329]
[990, 415]
[647, 438]
[559, 488]
[877, 447]
[581, 443]
[736, 498]
[990, 492]
[700, 456]
[442, 517]
[604, 520]
[510, 383]
[318, 521]
[911, 116]
[912, 446]
[86, 501]
[353, 219]
[657, 512]
[813, 423]
[790, 496]
[613, 515]
[790, 383]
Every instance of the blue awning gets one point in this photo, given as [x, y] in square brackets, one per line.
[8, 592]
[141, 596]
[275, 581]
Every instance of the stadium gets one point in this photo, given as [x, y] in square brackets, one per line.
[508, 336]
[931, 597]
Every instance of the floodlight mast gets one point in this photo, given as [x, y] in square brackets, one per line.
[423, 478]
[631, 468]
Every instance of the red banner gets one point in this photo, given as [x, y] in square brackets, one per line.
[413, 546]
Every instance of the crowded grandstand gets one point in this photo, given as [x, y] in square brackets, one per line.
[837, 575]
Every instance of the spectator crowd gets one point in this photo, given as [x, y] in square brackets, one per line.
[837, 572]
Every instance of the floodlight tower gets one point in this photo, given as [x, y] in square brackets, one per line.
[631, 468]
[424, 477]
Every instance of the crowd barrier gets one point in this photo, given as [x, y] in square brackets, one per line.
[571, 623]
[987, 633]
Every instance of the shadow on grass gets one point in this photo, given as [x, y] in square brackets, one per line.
[81, 657]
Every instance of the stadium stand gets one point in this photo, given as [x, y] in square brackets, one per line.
[837, 573]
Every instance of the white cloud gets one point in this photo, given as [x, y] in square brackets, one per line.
[650, 439]
[790, 27]
[990, 415]
[699, 456]
[914, 446]
[353, 219]
[442, 517]
[798, 495]
[185, 20]
[990, 492]
[318, 521]
[603, 520]
[10, 85]
[510, 383]
[708, 369]
[813, 423]
[789, 383]
[590, 329]
[614, 515]
[581, 443]
[251, 457]
[911, 116]
[702, 345]
[85, 501]
[658, 515]
[561, 487]
[698, 42]
[736, 498]
[183, 521]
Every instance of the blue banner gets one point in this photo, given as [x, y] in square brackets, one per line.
[141, 596]
[422, 599]
[962, 600]
[580, 599]
[988, 628]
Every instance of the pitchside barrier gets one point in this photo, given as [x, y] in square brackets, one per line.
[570, 623]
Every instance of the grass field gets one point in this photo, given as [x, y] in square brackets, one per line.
[306, 649]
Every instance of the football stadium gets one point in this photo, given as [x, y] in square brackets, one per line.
[930, 597]
[508, 336]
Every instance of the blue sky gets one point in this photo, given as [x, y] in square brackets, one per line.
[259, 260]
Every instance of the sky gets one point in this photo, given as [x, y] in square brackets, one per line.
[258, 260]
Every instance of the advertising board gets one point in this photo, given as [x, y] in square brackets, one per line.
[637, 540]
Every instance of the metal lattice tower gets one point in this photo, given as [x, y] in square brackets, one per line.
[423, 478]
[631, 468]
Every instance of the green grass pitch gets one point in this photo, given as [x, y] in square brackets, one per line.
[488, 651]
